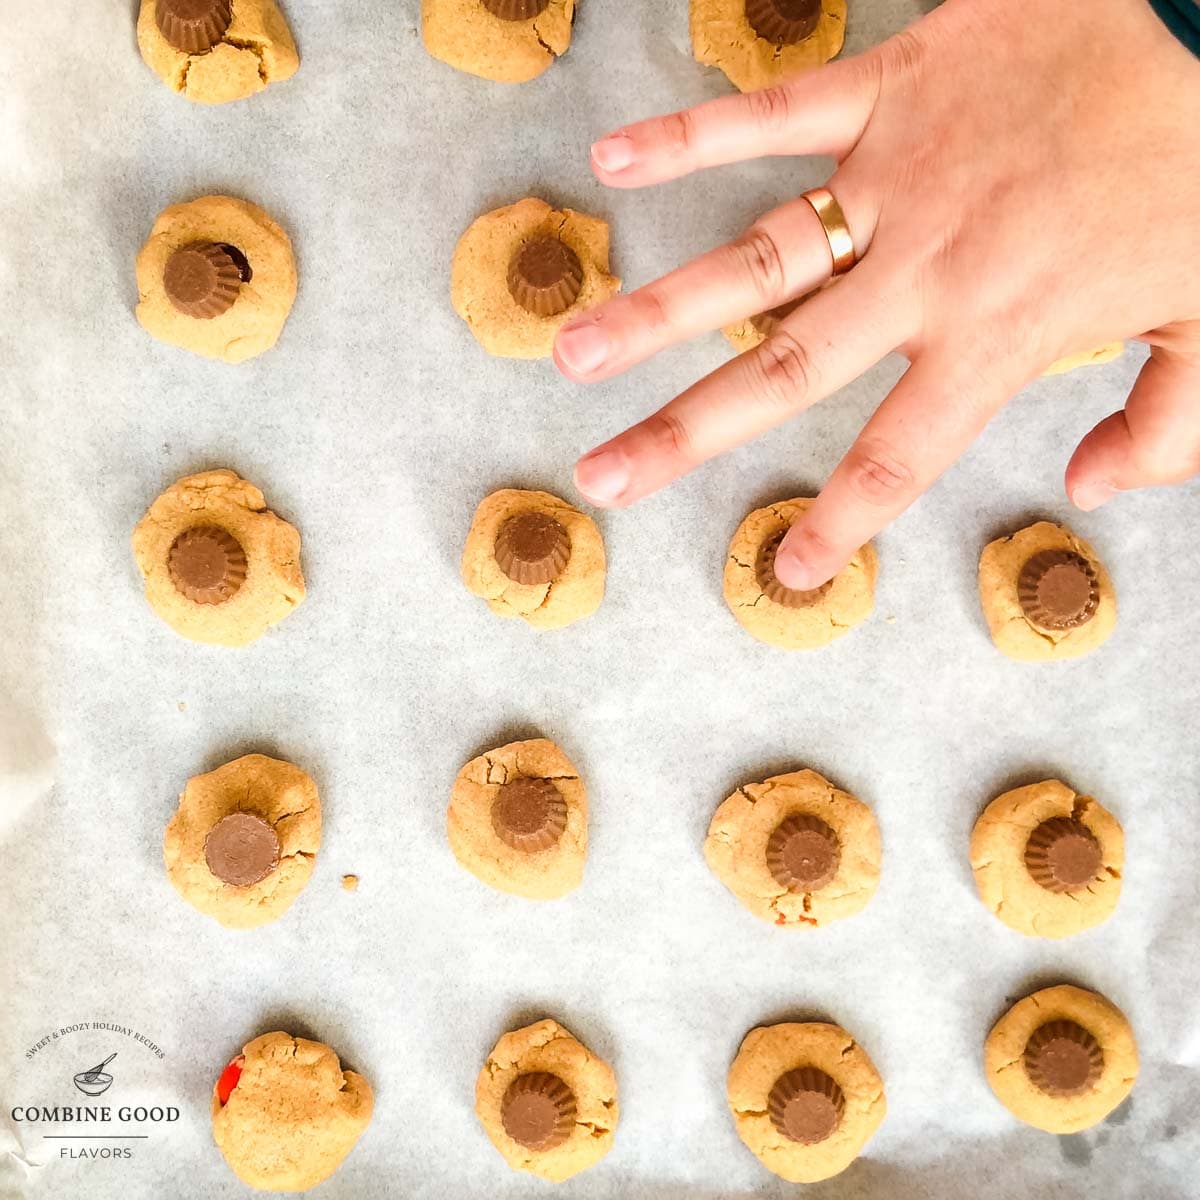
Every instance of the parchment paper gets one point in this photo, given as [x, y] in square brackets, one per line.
[376, 426]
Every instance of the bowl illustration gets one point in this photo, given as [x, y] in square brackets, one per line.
[93, 1084]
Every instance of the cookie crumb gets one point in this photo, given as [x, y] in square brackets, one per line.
[350, 883]
[182, 706]
[891, 620]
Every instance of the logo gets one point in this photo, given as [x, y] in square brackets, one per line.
[94, 1081]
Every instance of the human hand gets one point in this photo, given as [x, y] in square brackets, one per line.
[1019, 187]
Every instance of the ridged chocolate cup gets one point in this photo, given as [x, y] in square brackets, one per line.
[764, 572]
[545, 276]
[1058, 590]
[207, 564]
[538, 1111]
[532, 547]
[193, 26]
[1063, 1059]
[242, 848]
[516, 10]
[1063, 855]
[784, 22]
[529, 814]
[202, 280]
[806, 1105]
[803, 853]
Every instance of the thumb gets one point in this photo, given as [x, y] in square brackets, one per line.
[1154, 440]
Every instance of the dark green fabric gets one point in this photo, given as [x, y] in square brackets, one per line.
[1182, 18]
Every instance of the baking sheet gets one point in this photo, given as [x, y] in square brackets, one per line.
[376, 426]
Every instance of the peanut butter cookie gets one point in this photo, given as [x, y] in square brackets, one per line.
[510, 41]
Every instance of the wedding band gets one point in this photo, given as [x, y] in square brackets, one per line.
[837, 232]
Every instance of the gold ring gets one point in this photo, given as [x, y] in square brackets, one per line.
[837, 232]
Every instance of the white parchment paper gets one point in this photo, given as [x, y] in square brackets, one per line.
[376, 426]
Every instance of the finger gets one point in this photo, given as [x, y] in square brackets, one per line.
[783, 255]
[926, 422]
[1155, 440]
[821, 347]
[819, 112]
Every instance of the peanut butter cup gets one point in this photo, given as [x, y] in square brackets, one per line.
[1058, 590]
[241, 849]
[529, 814]
[207, 564]
[1063, 855]
[1063, 1059]
[193, 26]
[538, 1111]
[202, 280]
[803, 853]
[783, 22]
[806, 1105]
[532, 547]
[771, 587]
[545, 276]
[516, 10]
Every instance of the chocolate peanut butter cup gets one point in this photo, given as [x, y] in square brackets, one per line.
[764, 571]
[207, 564]
[538, 1111]
[202, 280]
[806, 1105]
[803, 853]
[783, 22]
[1063, 855]
[1063, 1059]
[193, 26]
[241, 849]
[532, 547]
[545, 276]
[516, 10]
[1058, 590]
[529, 814]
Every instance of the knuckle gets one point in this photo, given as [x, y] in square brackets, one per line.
[757, 254]
[650, 308]
[679, 131]
[877, 476]
[783, 371]
[905, 52]
[771, 108]
[668, 437]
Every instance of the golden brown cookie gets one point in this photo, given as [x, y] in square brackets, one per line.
[761, 42]
[805, 1099]
[533, 556]
[548, 1103]
[285, 1115]
[518, 820]
[244, 840]
[795, 850]
[1048, 862]
[219, 566]
[1093, 358]
[509, 41]
[212, 51]
[1045, 594]
[1061, 1059]
[521, 272]
[778, 616]
[216, 277]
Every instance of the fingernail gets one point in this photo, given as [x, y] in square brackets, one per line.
[613, 153]
[603, 475]
[1089, 496]
[583, 348]
[794, 573]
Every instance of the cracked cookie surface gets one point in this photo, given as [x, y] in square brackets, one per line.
[291, 1115]
[467, 36]
[479, 275]
[221, 503]
[1012, 630]
[828, 613]
[723, 37]
[574, 593]
[766, 1056]
[256, 49]
[1113, 1048]
[265, 290]
[738, 850]
[539, 868]
[1001, 857]
[284, 798]
[546, 1048]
